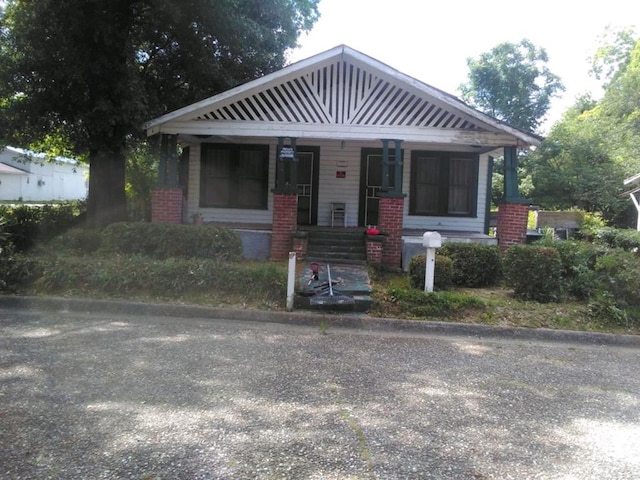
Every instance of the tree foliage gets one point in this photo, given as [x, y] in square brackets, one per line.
[595, 146]
[90, 72]
[512, 83]
[613, 54]
[574, 168]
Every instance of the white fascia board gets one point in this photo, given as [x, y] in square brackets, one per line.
[634, 179]
[340, 132]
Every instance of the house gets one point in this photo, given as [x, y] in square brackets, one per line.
[30, 177]
[338, 139]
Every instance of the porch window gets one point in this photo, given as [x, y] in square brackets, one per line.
[234, 176]
[443, 184]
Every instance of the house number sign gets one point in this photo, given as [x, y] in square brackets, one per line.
[286, 153]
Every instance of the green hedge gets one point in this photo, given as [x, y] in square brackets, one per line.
[534, 272]
[618, 273]
[17, 271]
[435, 304]
[127, 275]
[578, 264]
[77, 240]
[158, 240]
[474, 264]
[122, 254]
[28, 224]
[442, 276]
[626, 239]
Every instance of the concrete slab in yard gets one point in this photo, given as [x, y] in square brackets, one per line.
[348, 280]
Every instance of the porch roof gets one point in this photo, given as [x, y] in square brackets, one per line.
[341, 94]
[4, 168]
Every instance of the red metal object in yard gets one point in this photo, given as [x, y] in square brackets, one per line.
[314, 270]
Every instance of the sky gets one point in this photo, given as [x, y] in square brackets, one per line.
[431, 40]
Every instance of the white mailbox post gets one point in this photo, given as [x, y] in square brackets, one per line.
[430, 240]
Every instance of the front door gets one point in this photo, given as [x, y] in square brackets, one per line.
[308, 173]
[371, 184]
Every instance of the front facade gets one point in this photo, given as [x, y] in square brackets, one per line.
[233, 183]
[339, 133]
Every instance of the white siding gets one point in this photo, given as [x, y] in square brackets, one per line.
[335, 156]
[43, 181]
[11, 186]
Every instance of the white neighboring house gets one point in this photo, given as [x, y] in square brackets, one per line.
[28, 176]
[634, 182]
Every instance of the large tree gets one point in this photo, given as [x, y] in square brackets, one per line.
[512, 83]
[574, 166]
[613, 54]
[596, 145]
[90, 72]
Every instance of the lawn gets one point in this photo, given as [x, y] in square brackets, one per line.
[262, 286]
[393, 297]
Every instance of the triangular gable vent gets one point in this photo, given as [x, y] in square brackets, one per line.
[340, 92]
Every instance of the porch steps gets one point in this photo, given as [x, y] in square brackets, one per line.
[337, 246]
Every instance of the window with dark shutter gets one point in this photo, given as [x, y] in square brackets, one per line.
[443, 184]
[234, 176]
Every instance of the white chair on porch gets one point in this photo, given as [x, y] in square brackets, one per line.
[338, 214]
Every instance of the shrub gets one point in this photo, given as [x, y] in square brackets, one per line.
[435, 304]
[28, 224]
[591, 223]
[4, 234]
[173, 277]
[603, 308]
[534, 272]
[58, 218]
[625, 239]
[22, 225]
[474, 264]
[11, 271]
[80, 240]
[162, 241]
[578, 263]
[618, 273]
[442, 279]
[16, 271]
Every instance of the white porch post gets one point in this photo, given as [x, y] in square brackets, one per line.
[637, 204]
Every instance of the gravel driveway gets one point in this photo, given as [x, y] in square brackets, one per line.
[125, 397]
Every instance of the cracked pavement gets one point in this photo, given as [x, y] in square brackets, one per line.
[111, 396]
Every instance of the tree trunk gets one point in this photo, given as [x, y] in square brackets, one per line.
[107, 201]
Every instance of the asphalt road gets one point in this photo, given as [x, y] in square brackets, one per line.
[142, 397]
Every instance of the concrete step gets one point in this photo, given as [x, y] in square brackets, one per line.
[336, 243]
[361, 303]
[337, 246]
[339, 260]
[337, 257]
